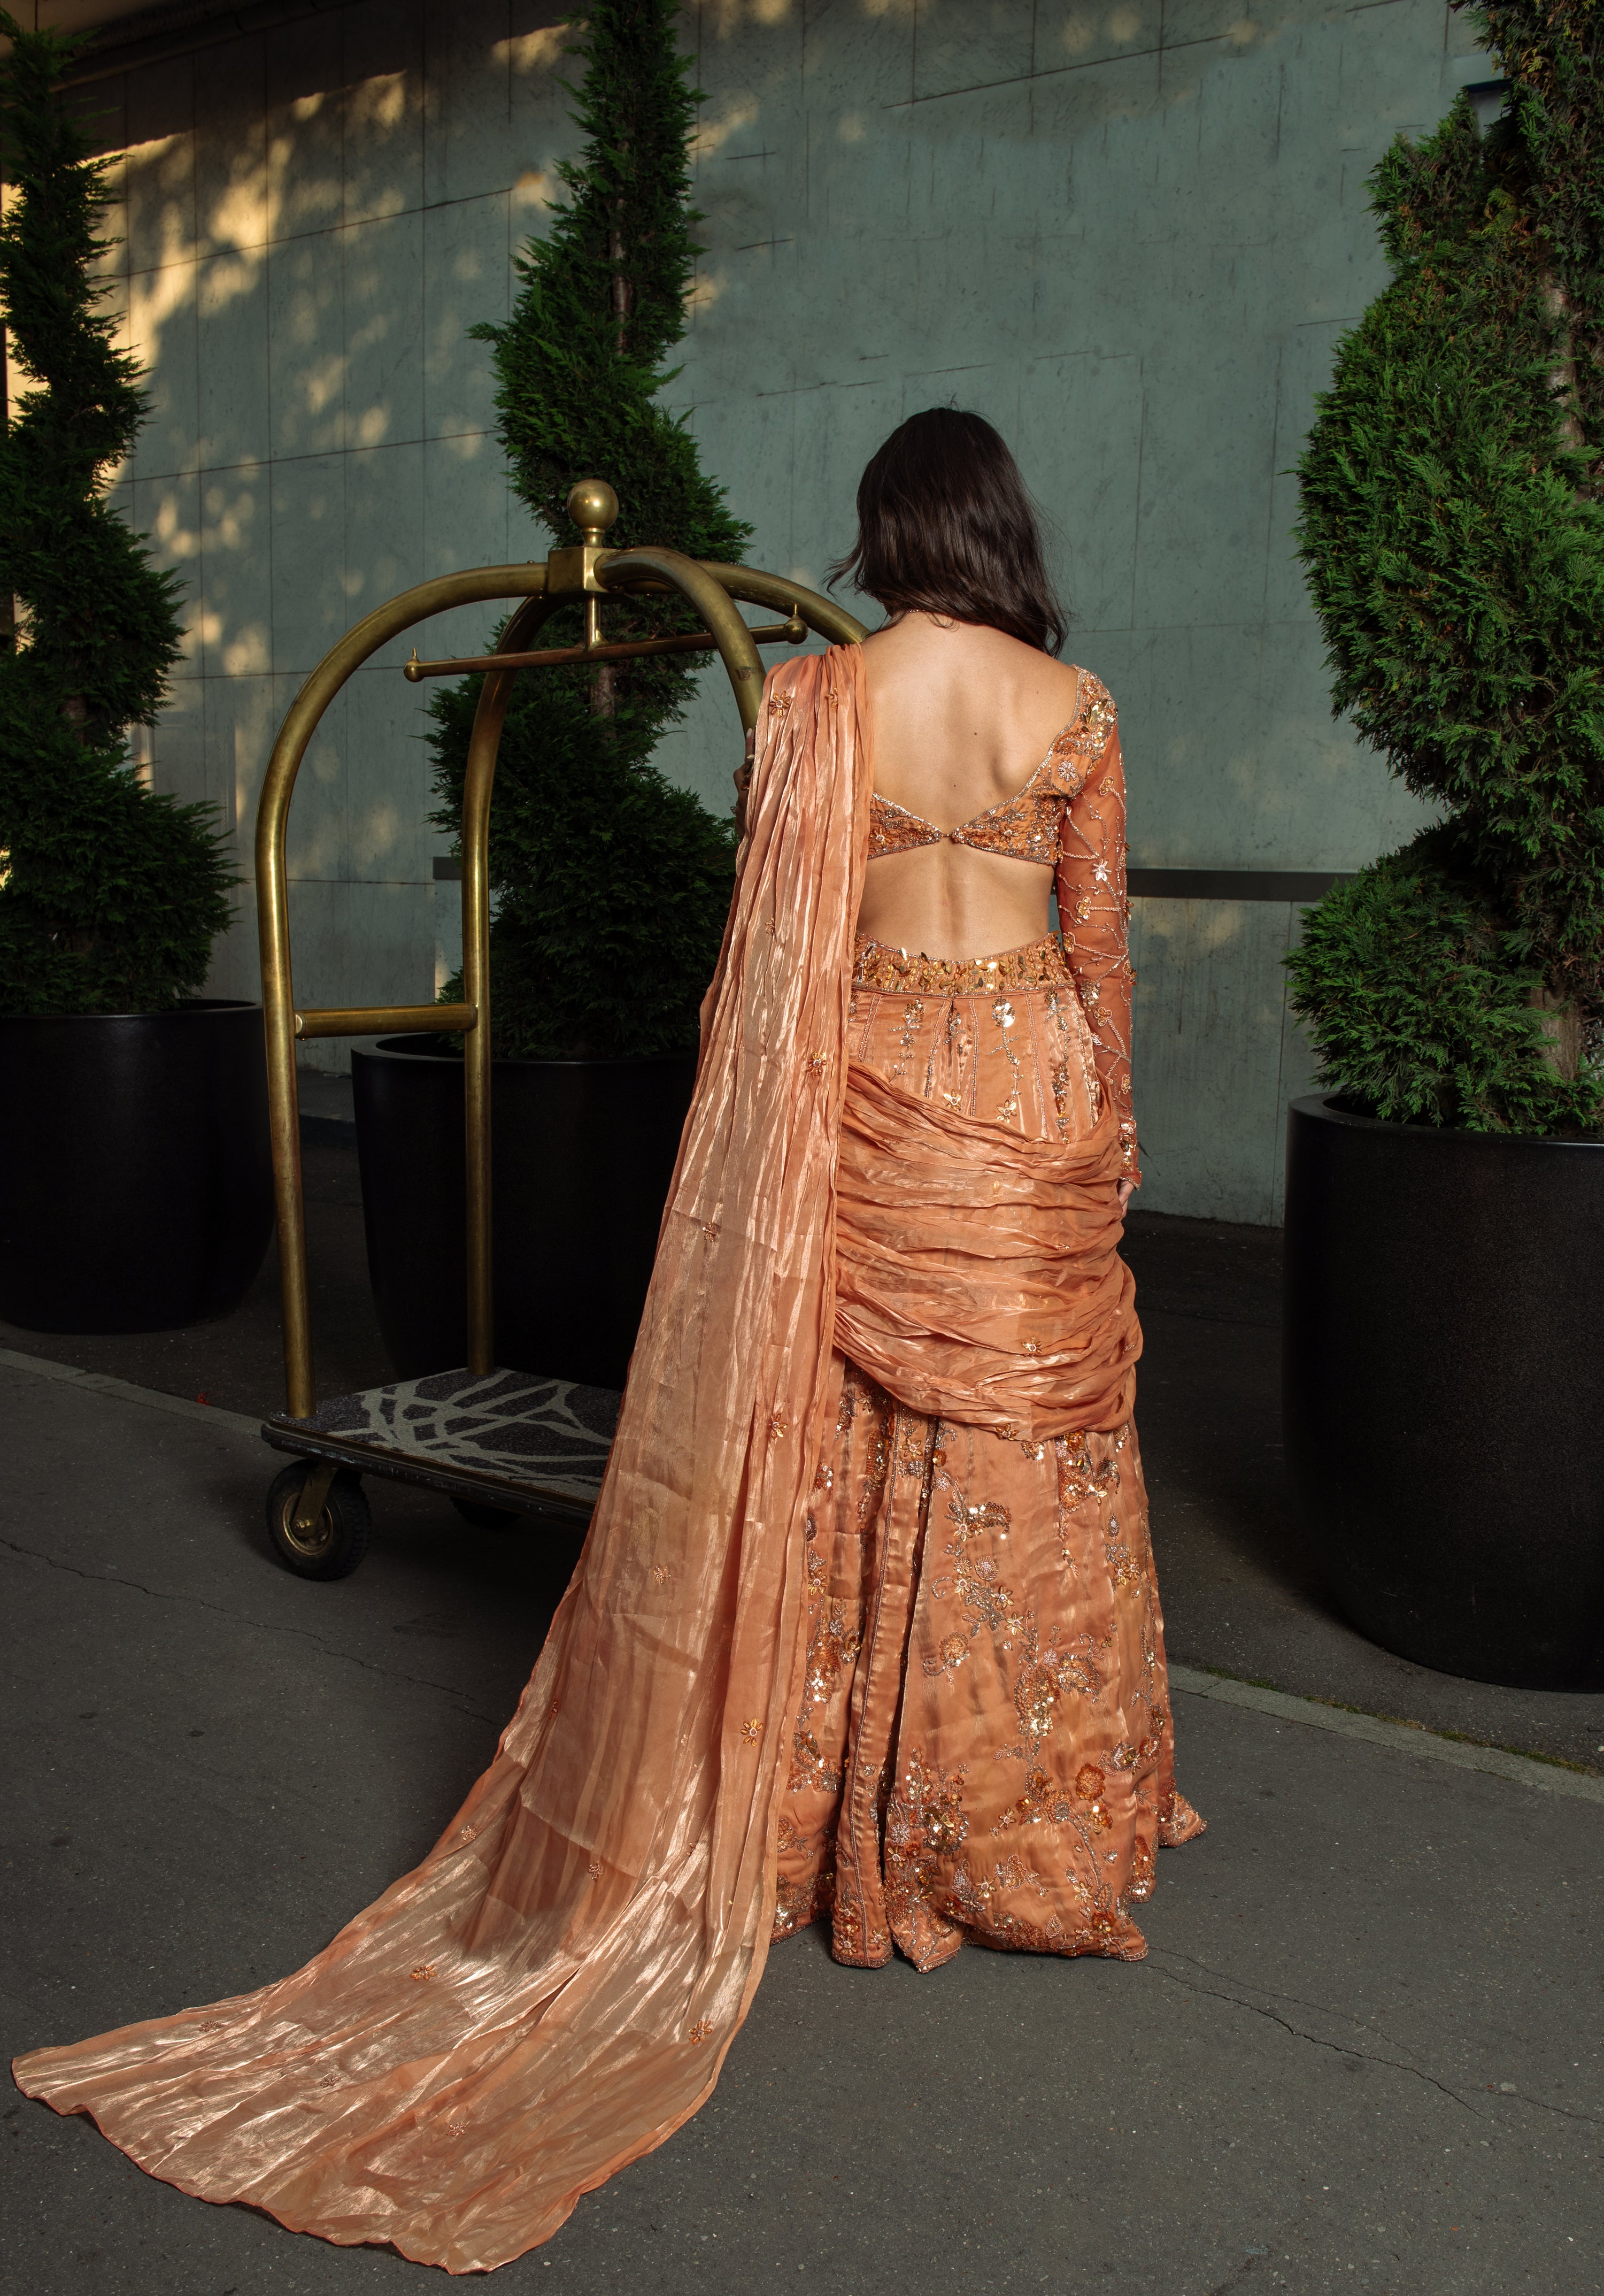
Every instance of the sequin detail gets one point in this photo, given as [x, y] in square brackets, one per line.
[1024, 827]
[1039, 965]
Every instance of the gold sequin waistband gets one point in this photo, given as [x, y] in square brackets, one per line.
[1039, 965]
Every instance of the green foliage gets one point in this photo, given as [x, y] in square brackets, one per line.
[1558, 104]
[111, 896]
[1425, 1016]
[1454, 545]
[612, 886]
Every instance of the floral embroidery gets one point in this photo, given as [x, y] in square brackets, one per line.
[1039, 965]
[751, 1731]
[981, 1747]
[1040, 1799]
[947, 1657]
[702, 2031]
[1142, 1873]
[926, 1819]
[424, 1970]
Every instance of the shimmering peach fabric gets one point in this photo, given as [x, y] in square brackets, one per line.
[552, 1991]
[975, 1268]
[983, 1746]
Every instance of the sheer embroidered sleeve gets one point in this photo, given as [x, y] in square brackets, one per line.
[1094, 918]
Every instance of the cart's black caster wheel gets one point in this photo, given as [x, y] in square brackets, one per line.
[485, 1518]
[339, 1539]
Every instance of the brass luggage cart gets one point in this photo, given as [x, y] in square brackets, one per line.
[496, 1441]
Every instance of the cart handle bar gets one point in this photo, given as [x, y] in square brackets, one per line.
[590, 571]
[791, 633]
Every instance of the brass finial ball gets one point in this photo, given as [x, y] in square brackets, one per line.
[593, 506]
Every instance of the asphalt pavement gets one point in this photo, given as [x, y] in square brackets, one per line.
[1363, 2054]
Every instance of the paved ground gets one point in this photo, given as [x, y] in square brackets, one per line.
[1363, 2054]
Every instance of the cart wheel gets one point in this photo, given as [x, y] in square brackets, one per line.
[485, 1518]
[338, 1543]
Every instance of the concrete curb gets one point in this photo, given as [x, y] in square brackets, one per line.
[123, 1391]
[1396, 1737]
[1188, 1682]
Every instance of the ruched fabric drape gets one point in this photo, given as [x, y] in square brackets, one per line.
[552, 1991]
[976, 1274]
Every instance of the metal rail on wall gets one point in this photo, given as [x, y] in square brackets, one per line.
[587, 570]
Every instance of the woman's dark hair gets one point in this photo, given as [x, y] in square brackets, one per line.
[946, 527]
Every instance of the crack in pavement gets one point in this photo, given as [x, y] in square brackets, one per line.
[1337, 2048]
[1341, 2016]
[1344, 2049]
[259, 1626]
[1270, 1992]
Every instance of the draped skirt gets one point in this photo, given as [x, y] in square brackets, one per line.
[983, 1747]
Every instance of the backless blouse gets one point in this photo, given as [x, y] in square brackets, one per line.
[1069, 818]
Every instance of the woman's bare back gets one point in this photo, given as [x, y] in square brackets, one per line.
[960, 716]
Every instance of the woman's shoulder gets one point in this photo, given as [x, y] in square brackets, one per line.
[1085, 737]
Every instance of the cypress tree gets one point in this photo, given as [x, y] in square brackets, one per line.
[111, 896]
[612, 886]
[1453, 531]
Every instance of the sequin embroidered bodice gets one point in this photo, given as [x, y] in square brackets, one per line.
[1071, 817]
[1024, 827]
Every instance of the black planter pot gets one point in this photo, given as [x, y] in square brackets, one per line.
[582, 1155]
[1443, 1389]
[135, 1177]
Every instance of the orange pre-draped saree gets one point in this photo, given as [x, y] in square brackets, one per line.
[551, 1993]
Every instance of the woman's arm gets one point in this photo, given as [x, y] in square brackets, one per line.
[1095, 919]
[743, 780]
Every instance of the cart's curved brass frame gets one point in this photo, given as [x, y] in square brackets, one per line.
[592, 573]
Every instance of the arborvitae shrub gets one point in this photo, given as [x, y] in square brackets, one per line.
[612, 886]
[1454, 542]
[110, 897]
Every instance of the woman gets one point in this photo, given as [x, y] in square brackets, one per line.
[866, 1627]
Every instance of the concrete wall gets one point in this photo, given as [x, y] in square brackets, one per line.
[1131, 232]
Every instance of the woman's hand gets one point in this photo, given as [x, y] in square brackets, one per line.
[743, 782]
[1127, 1189]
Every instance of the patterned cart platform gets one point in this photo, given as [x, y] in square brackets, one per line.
[500, 1437]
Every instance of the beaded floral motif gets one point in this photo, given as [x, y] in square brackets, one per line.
[1039, 965]
[981, 1605]
[994, 1655]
